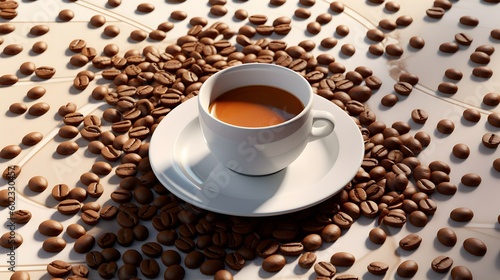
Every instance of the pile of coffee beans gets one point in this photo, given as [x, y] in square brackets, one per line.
[391, 186]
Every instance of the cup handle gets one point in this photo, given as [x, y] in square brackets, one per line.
[328, 120]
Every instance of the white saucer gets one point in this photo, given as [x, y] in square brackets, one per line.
[182, 163]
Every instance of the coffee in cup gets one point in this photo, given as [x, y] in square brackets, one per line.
[258, 118]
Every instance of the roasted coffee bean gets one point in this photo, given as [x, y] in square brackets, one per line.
[394, 50]
[407, 269]
[152, 249]
[223, 275]
[471, 180]
[10, 151]
[184, 244]
[496, 164]
[454, 74]
[18, 108]
[441, 264]
[389, 100]
[445, 126]
[13, 49]
[418, 218]
[84, 244]
[387, 24]
[491, 99]
[27, 68]
[348, 49]
[377, 268]
[75, 231]
[491, 140]
[69, 206]
[312, 242]
[174, 272]
[107, 270]
[110, 254]
[38, 109]
[20, 216]
[475, 246]
[235, 261]
[307, 260]
[461, 273]
[435, 12]
[20, 275]
[36, 92]
[342, 259]
[273, 263]
[194, 259]
[53, 244]
[50, 228]
[410, 242]
[325, 269]
[482, 72]
[58, 268]
[447, 237]
[461, 151]
[394, 219]
[11, 241]
[463, 39]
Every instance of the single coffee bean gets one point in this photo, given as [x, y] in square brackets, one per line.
[342, 259]
[307, 260]
[407, 269]
[20, 216]
[58, 268]
[496, 164]
[419, 116]
[53, 244]
[445, 126]
[435, 12]
[38, 109]
[69, 206]
[149, 268]
[18, 108]
[441, 264]
[482, 72]
[461, 151]
[449, 47]
[90, 217]
[454, 74]
[75, 231]
[491, 140]
[211, 266]
[273, 263]
[377, 236]
[174, 272]
[475, 246]
[418, 218]
[10, 151]
[20, 275]
[461, 273]
[417, 42]
[377, 268]
[325, 269]
[50, 228]
[447, 237]
[394, 219]
[410, 242]
[463, 39]
[471, 180]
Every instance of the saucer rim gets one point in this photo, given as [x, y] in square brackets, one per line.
[189, 116]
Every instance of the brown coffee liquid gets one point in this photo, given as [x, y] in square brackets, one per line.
[256, 106]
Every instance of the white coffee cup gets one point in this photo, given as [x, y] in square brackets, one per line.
[260, 150]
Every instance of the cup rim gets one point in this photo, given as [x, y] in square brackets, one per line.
[306, 108]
